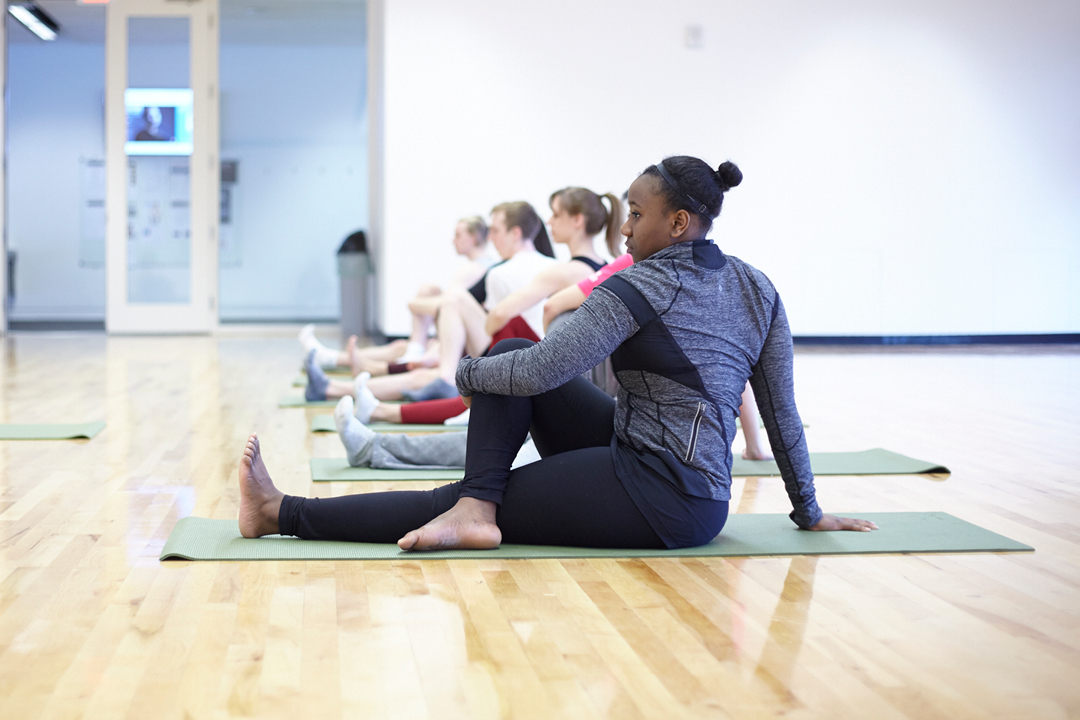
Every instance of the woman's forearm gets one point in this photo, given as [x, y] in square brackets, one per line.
[587, 338]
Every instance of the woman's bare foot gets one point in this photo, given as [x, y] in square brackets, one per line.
[353, 355]
[260, 501]
[469, 525]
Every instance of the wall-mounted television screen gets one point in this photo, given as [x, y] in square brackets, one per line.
[159, 121]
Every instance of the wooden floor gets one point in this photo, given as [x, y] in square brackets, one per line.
[93, 625]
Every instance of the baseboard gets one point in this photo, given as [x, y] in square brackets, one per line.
[1021, 339]
[56, 325]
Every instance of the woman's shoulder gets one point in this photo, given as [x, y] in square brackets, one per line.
[747, 270]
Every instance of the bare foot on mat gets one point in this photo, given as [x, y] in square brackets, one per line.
[469, 525]
[259, 499]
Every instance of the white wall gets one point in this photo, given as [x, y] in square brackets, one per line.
[294, 116]
[910, 167]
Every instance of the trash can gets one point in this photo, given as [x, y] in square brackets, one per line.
[354, 272]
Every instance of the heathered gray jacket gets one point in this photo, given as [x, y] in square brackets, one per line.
[729, 323]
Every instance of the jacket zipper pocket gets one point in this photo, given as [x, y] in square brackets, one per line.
[692, 445]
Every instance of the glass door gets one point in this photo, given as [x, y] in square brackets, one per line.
[162, 178]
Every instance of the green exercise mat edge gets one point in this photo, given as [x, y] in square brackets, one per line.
[325, 423]
[867, 462]
[50, 431]
[194, 538]
[299, 401]
[876, 461]
[339, 470]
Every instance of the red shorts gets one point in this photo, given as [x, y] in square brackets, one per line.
[516, 328]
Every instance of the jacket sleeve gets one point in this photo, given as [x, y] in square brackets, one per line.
[595, 329]
[773, 382]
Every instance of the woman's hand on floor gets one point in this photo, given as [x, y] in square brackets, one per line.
[832, 522]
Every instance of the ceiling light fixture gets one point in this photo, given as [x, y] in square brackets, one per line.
[35, 19]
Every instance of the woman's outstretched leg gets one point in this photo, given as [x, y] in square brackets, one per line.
[367, 517]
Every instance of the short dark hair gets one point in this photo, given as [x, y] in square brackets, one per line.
[521, 214]
[696, 179]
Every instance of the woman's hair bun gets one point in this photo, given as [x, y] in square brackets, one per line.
[729, 175]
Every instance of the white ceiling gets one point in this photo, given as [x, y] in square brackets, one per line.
[243, 22]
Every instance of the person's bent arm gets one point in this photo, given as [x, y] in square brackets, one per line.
[587, 337]
[546, 282]
[569, 298]
[774, 388]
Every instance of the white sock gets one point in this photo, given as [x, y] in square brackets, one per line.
[366, 402]
[324, 356]
[307, 339]
[462, 419]
[357, 439]
[413, 351]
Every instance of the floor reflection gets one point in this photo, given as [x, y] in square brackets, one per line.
[784, 637]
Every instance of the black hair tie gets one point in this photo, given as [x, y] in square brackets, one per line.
[701, 209]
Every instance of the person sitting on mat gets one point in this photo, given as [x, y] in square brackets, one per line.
[685, 327]
[519, 236]
[756, 445]
[578, 215]
[470, 241]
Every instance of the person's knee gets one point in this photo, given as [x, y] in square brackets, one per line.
[455, 296]
[510, 344]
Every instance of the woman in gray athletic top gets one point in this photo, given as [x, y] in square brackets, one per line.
[685, 327]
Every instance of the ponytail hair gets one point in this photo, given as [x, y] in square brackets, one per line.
[581, 201]
[542, 242]
[687, 183]
[521, 214]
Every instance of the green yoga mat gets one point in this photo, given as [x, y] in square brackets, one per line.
[868, 462]
[196, 538]
[51, 431]
[339, 470]
[325, 423]
[294, 401]
[336, 373]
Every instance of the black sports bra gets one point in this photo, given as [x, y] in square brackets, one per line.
[589, 261]
[479, 289]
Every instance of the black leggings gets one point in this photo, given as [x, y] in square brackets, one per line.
[569, 497]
